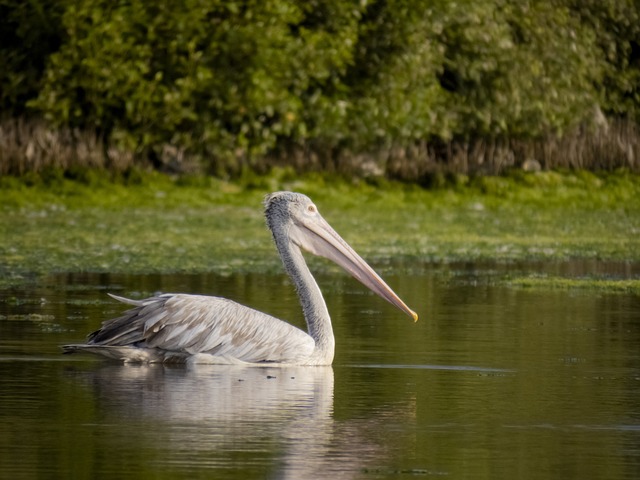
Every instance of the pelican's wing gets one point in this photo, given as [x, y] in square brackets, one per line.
[193, 324]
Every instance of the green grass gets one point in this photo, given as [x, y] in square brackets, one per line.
[148, 223]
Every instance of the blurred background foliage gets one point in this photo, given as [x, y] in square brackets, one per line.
[228, 84]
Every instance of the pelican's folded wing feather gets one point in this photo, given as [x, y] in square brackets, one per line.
[194, 324]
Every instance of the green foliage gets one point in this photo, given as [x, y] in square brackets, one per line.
[230, 82]
[392, 91]
[210, 77]
[616, 25]
[520, 69]
[30, 32]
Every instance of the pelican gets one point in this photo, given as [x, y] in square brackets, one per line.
[180, 328]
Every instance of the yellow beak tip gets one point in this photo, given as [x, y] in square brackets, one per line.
[414, 315]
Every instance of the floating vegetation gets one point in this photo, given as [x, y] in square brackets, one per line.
[30, 317]
[625, 286]
[162, 224]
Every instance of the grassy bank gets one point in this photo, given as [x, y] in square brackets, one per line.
[147, 223]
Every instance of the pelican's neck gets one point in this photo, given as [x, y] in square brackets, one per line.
[313, 305]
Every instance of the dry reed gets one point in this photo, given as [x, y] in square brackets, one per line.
[32, 146]
[609, 147]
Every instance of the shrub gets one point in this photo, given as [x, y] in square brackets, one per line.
[214, 78]
[326, 83]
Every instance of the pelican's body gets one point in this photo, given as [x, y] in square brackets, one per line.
[199, 329]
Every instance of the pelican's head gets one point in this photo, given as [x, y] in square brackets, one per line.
[282, 206]
[294, 218]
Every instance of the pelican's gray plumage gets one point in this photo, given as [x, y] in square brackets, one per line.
[201, 329]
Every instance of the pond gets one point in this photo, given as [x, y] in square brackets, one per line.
[492, 382]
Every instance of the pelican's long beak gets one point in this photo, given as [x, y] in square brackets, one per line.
[324, 241]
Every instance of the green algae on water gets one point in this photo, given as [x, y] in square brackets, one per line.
[160, 224]
[602, 285]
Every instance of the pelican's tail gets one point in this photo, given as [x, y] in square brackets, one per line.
[135, 303]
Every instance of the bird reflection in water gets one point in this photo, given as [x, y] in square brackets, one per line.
[203, 415]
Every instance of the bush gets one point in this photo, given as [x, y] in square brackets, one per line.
[232, 83]
[616, 26]
[517, 69]
[30, 32]
[212, 78]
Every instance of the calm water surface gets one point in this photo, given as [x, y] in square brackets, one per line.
[492, 382]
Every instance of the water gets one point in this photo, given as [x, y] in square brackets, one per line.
[492, 382]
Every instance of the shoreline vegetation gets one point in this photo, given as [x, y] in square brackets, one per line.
[29, 147]
[147, 222]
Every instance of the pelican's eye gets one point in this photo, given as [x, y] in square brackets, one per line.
[312, 209]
